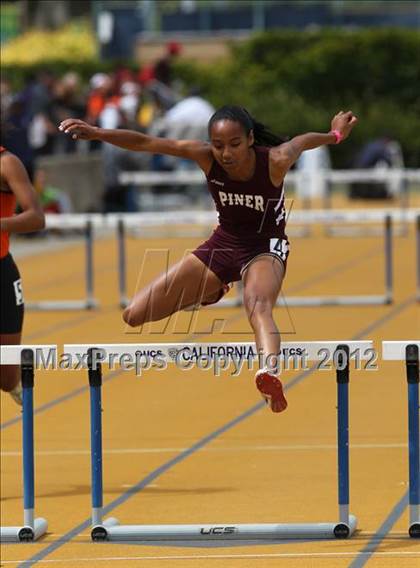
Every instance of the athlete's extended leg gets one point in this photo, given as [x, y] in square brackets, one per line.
[187, 282]
[262, 283]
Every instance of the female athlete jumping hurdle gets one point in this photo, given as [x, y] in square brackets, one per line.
[245, 165]
[15, 186]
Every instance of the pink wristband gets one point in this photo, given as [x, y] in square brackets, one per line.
[338, 136]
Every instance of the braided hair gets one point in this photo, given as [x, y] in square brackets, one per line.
[262, 135]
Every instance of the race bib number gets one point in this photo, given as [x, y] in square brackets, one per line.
[279, 247]
[17, 285]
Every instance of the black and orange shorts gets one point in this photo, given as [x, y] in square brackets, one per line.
[11, 297]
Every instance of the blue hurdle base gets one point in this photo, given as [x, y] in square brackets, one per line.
[110, 530]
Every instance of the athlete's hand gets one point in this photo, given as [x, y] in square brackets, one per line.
[343, 122]
[78, 129]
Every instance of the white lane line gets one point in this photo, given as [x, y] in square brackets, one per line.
[284, 447]
[223, 557]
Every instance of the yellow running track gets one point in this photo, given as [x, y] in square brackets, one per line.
[264, 468]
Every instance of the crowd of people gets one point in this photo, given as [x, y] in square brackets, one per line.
[148, 100]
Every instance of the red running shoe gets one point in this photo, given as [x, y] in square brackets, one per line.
[271, 389]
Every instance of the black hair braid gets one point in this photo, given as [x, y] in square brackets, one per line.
[264, 137]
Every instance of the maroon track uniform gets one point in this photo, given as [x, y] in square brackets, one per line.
[252, 220]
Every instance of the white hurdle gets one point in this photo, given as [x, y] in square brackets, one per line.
[386, 217]
[299, 219]
[408, 351]
[28, 357]
[340, 352]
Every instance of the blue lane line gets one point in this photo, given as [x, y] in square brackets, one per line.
[379, 322]
[365, 554]
[198, 445]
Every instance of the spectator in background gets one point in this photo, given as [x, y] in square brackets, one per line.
[16, 123]
[163, 69]
[39, 95]
[129, 103]
[67, 102]
[158, 78]
[123, 75]
[383, 152]
[189, 117]
[187, 120]
[379, 152]
[101, 93]
[118, 112]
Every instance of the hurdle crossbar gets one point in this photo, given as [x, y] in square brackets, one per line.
[408, 351]
[26, 356]
[89, 302]
[110, 529]
[112, 353]
[180, 177]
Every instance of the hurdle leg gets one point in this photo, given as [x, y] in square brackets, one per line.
[348, 522]
[412, 369]
[95, 386]
[122, 264]
[90, 299]
[405, 204]
[33, 528]
[388, 298]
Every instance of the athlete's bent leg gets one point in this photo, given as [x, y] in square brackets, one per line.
[262, 283]
[188, 282]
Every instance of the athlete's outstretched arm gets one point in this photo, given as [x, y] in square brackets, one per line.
[32, 218]
[195, 150]
[285, 155]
